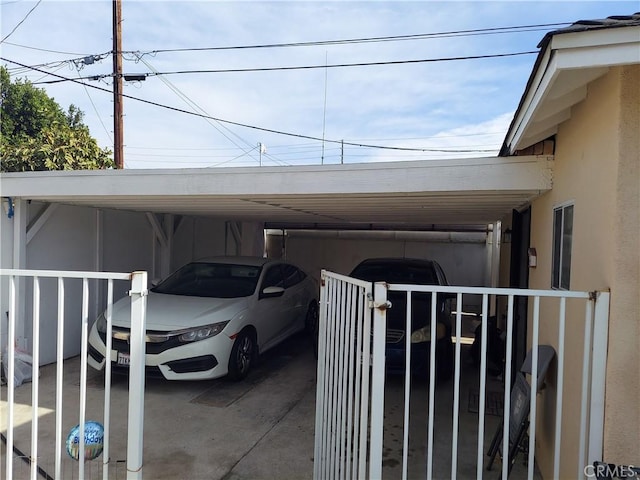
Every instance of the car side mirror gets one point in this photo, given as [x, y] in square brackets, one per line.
[272, 292]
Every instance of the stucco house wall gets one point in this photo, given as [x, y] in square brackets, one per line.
[597, 170]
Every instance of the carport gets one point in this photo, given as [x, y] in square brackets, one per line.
[414, 195]
[158, 219]
[238, 203]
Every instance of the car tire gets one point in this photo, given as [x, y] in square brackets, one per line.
[243, 354]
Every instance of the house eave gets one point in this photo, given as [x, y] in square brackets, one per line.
[567, 63]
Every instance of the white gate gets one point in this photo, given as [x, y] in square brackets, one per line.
[350, 409]
[17, 283]
[349, 424]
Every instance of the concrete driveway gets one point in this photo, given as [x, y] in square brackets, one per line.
[261, 427]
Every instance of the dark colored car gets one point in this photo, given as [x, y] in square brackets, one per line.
[413, 272]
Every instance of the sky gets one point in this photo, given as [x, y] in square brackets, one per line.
[424, 106]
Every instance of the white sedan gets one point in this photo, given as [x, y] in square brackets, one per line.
[212, 318]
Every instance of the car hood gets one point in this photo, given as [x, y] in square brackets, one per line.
[175, 312]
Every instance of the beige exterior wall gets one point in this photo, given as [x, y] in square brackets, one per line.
[597, 170]
[622, 420]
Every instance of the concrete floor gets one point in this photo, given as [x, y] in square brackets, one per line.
[262, 427]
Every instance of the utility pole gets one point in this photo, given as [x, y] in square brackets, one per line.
[118, 155]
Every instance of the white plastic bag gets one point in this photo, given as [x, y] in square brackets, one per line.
[22, 367]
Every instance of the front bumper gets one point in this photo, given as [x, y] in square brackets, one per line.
[202, 360]
[420, 356]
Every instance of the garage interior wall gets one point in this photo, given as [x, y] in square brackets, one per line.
[464, 256]
[91, 239]
[82, 239]
[198, 238]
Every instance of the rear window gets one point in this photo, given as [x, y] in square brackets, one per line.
[396, 273]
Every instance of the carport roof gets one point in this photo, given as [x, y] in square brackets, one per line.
[410, 195]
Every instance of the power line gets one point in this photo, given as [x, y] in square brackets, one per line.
[393, 38]
[198, 108]
[138, 55]
[486, 31]
[21, 21]
[43, 49]
[419, 36]
[262, 129]
[313, 145]
[96, 110]
[343, 65]
[309, 67]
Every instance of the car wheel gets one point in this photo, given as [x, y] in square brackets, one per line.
[242, 355]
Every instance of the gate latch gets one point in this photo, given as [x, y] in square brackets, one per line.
[382, 306]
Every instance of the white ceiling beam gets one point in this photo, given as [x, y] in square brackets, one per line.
[532, 138]
[40, 221]
[560, 101]
[571, 80]
[235, 232]
[550, 123]
[158, 230]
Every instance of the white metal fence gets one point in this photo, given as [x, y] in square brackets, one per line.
[348, 417]
[16, 280]
[351, 395]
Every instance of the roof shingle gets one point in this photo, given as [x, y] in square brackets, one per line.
[613, 21]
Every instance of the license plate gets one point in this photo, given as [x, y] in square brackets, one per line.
[123, 359]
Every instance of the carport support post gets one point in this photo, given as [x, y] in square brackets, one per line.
[20, 216]
[138, 294]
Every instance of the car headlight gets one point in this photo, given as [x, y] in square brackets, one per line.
[201, 333]
[101, 324]
[424, 334]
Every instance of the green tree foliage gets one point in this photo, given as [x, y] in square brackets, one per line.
[38, 135]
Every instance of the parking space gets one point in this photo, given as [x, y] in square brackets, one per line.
[261, 427]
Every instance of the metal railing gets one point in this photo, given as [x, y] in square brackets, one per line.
[351, 378]
[137, 292]
[345, 437]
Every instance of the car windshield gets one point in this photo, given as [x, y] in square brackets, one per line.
[217, 280]
[396, 273]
